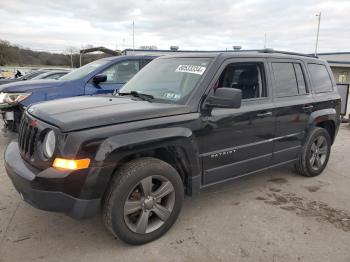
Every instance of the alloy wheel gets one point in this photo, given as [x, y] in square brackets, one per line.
[149, 204]
[318, 153]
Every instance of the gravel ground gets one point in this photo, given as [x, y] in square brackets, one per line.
[272, 216]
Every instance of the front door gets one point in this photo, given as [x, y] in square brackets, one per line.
[236, 142]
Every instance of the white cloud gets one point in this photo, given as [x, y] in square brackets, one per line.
[195, 24]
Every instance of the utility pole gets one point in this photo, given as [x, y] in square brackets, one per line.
[133, 36]
[80, 57]
[265, 40]
[71, 57]
[318, 31]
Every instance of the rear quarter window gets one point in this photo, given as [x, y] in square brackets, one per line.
[320, 78]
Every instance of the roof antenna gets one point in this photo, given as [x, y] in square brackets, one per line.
[318, 31]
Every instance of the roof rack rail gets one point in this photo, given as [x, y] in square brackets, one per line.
[270, 50]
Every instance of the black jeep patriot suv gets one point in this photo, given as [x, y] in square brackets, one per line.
[182, 124]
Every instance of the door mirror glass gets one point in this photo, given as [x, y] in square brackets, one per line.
[226, 97]
[99, 78]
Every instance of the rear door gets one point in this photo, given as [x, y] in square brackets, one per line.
[117, 75]
[294, 105]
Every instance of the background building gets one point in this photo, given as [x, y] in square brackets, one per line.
[340, 64]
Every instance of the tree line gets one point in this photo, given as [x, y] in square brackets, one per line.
[13, 55]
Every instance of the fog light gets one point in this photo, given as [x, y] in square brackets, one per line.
[71, 164]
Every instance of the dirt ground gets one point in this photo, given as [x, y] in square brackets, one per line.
[272, 216]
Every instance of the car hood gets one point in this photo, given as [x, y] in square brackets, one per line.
[29, 85]
[93, 111]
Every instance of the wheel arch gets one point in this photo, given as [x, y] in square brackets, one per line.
[327, 119]
[175, 146]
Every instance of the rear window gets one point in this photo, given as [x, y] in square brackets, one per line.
[285, 79]
[320, 78]
[289, 79]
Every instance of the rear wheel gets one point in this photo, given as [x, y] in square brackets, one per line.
[315, 153]
[144, 200]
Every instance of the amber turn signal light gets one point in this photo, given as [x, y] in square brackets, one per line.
[71, 164]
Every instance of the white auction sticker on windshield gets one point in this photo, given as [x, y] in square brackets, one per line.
[192, 69]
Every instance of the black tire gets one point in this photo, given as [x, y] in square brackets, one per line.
[126, 183]
[306, 163]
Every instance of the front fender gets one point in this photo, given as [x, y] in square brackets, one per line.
[115, 148]
[56, 91]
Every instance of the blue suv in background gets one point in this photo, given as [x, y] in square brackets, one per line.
[102, 76]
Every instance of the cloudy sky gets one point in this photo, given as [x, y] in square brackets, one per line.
[191, 24]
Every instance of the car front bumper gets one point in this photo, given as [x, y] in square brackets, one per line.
[29, 184]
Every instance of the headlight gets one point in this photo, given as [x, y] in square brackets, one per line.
[49, 144]
[14, 98]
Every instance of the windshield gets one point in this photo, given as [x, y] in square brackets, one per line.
[168, 79]
[84, 70]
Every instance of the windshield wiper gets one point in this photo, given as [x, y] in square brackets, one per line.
[142, 96]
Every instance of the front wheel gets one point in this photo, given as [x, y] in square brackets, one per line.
[315, 153]
[144, 200]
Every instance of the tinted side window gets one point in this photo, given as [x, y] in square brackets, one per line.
[248, 77]
[300, 79]
[121, 72]
[320, 78]
[285, 79]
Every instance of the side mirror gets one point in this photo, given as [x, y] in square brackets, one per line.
[226, 97]
[99, 78]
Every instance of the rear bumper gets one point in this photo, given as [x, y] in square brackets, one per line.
[27, 183]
